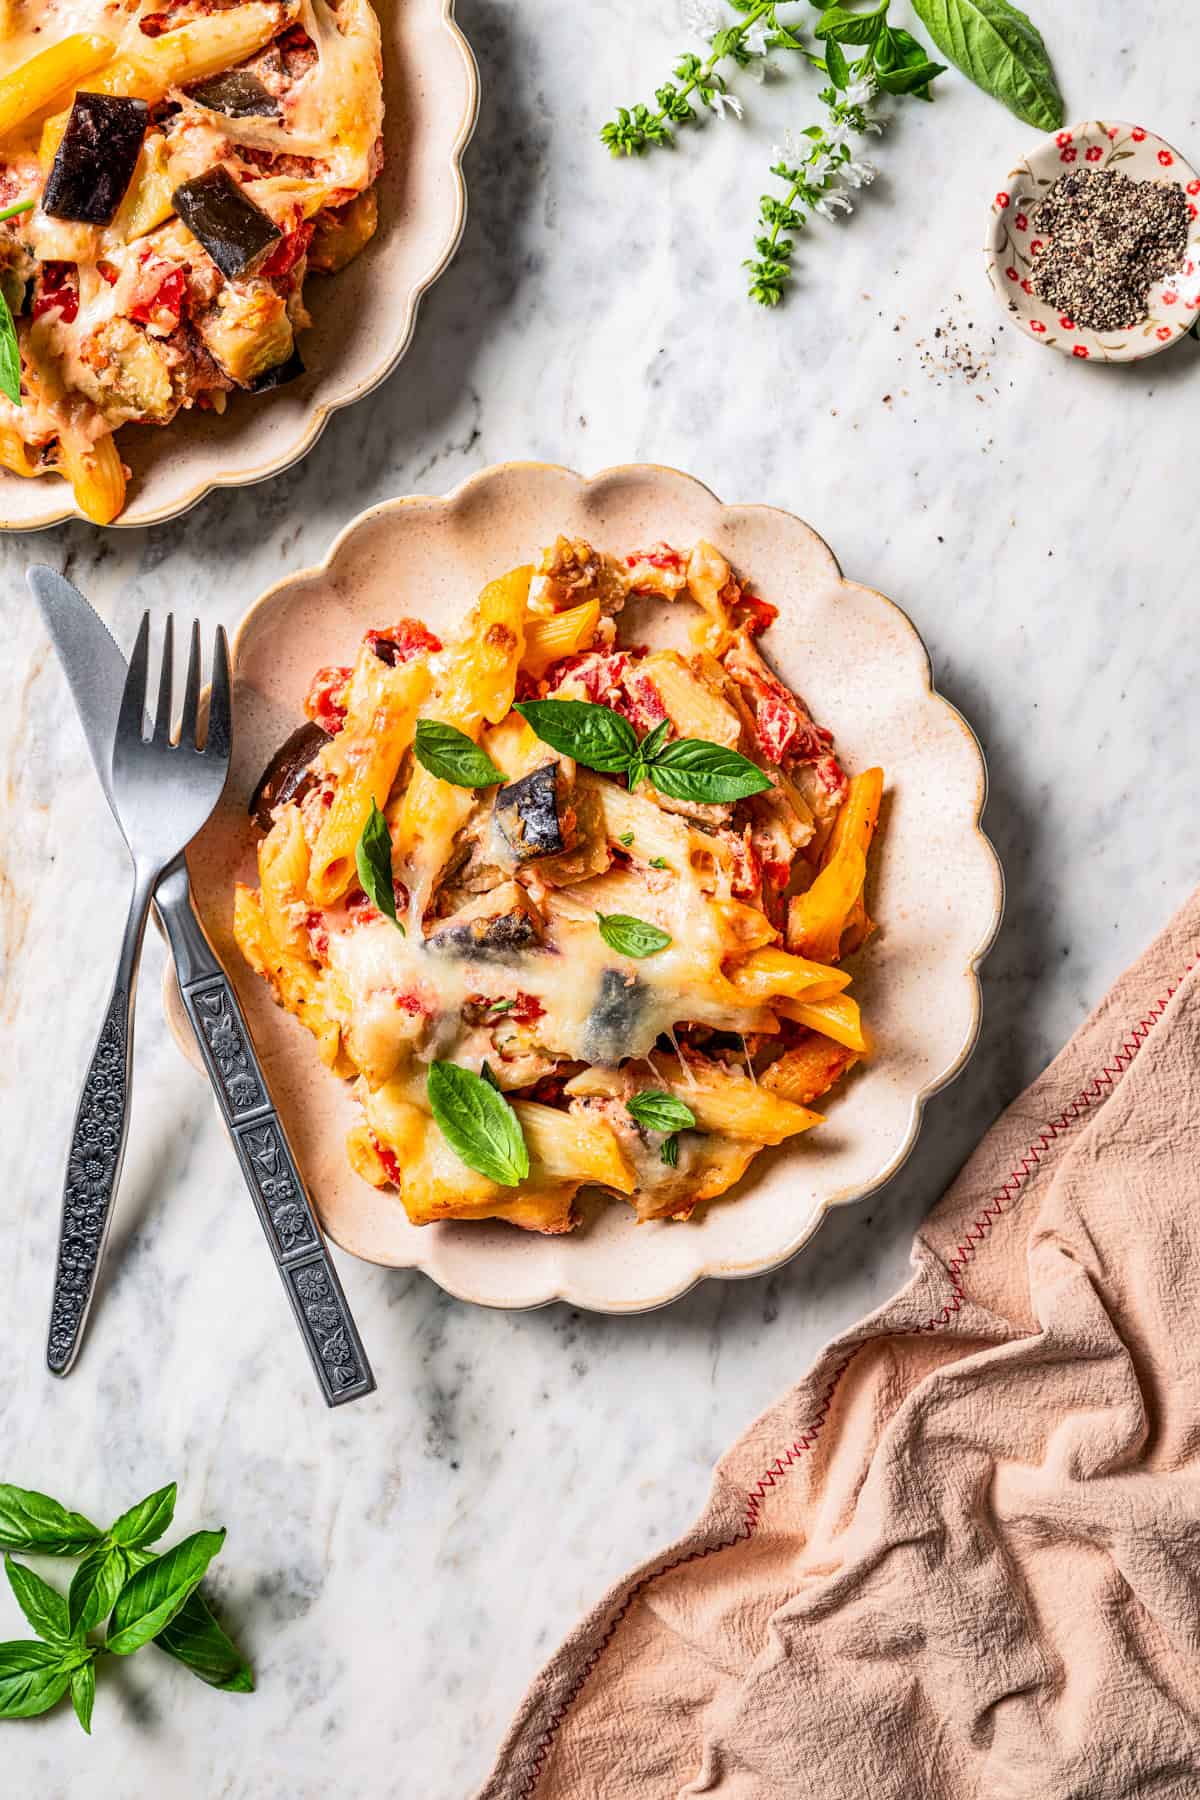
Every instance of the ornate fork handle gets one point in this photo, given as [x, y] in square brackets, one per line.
[276, 1187]
[97, 1149]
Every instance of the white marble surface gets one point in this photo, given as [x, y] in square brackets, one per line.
[398, 1569]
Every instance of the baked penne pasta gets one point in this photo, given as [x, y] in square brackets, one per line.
[178, 172]
[550, 963]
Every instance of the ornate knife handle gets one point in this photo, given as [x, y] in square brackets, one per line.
[276, 1186]
[97, 1149]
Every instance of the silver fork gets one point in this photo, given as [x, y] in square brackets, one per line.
[163, 792]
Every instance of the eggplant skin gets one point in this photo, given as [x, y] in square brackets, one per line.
[95, 159]
[236, 233]
[286, 777]
[615, 1013]
[289, 370]
[502, 935]
[237, 94]
[527, 813]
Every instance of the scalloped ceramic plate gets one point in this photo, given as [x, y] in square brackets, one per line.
[936, 887]
[1096, 144]
[363, 318]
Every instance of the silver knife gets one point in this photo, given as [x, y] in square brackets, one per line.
[95, 671]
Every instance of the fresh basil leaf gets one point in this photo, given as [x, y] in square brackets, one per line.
[850, 27]
[596, 736]
[652, 743]
[497, 1008]
[656, 1110]
[452, 756]
[911, 80]
[39, 1525]
[659, 862]
[145, 1522]
[151, 1598]
[670, 1151]
[18, 206]
[10, 353]
[487, 1073]
[626, 837]
[95, 1586]
[835, 63]
[83, 1694]
[694, 769]
[374, 859]
[32, 1677]
[632, 937]
[1001, 50]
[195, 1639]
[43, 1606]
[478, 1123]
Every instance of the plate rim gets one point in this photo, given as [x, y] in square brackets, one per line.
[560, 1288]
[322, 411]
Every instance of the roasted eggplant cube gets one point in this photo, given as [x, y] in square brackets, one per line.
[613, 1020]
[287, 775]
[237, 94]
[497, 925]
[533, 813]
[236, 233]
[96, 158]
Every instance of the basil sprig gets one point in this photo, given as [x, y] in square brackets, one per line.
[452, 756]
[373, 858]
[656, 1110]
[1001, 50]
[632, 937]
[151, 1597]
[10, 353]
[478, 1123]
[599, 738]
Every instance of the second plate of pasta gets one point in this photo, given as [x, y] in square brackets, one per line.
[619, 890]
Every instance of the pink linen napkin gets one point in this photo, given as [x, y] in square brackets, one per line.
[961, 1559]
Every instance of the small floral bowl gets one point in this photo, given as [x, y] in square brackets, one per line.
[1174, 303]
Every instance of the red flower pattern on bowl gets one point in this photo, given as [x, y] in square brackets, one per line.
[1080, 350]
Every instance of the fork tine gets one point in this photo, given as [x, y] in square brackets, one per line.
[166, 682]
[131, 718]
[188, 736]
[219, 738]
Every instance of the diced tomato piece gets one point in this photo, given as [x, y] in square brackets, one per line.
[325, 701]
[777, 726]
[362, 911]
[154, 24]
[166, 298]
[645, 708]
[755, 614]
[412, 1004]
[661, 557]
[107, 272]
[401, 642]
[59, 289]
[318, 934]
[831, 773]
[287, 252]
[527, 1008]
[390, 1161]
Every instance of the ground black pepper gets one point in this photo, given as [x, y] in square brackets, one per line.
[1108, 240]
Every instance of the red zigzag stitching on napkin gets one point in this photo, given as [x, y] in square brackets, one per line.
[956, 1267]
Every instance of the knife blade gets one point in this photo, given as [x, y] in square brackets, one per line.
[91, 662]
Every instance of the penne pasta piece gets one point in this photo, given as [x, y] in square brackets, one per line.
[572, 1146]
[770, 972]
[191, 52]
[558, 635]
[297, 985]
[817, 919]
[693, 707]
[838, 1018]
[96, 474]
[380, 722]
[808, 1070]
[35, 84]
[15, 454]
[283, 881]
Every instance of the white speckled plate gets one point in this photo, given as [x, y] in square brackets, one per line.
[936, 887]
[363, 318]
[1009, 253]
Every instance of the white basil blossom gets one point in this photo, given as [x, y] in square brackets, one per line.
[702, 18]
[861, 91]
[756, 38]
[858, 174]
[723, 103]
[829, 205]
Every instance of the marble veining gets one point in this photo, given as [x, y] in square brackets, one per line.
[399, 1568]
